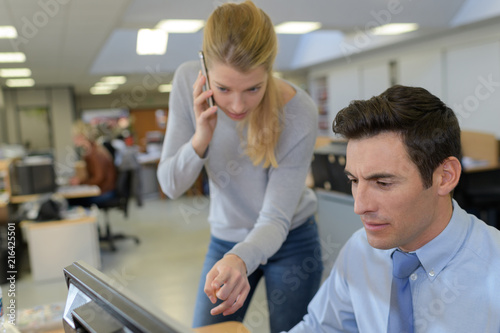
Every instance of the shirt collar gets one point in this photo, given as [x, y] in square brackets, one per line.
[435, 255]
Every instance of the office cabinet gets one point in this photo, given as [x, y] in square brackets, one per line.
[54, 245]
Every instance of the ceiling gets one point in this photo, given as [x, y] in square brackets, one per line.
[76, 42]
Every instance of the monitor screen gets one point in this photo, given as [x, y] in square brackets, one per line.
[97, 303]
[33, 175]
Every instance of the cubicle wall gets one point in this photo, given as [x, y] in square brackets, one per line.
[336, 218]
[336, 223]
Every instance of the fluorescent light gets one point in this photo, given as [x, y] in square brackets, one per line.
[114, 79]
[165, 88]
[15, 72]
[100, 91]
[20, 83]
[8, 31]
[151, 41]
[294, 27]
[106, 85]
[181, 26]
[394, 28]
[6, 57]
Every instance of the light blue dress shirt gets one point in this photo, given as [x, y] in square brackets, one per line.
[456, 288]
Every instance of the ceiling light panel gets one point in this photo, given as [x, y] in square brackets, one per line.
[295, 27]
[394, 28]
[151, 41]
[181, 26]
[8, 31]
[165, 88]
[16, 83]
[15, 72]
[114, 79]
[100, 91]
[8, 57]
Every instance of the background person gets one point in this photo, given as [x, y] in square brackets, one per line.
[403, 160]
[99, 166]
[256, 145]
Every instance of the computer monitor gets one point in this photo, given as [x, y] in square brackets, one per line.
[97, 303]
[33, 175]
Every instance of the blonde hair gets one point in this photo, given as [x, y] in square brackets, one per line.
[85, 130]
[243, 37]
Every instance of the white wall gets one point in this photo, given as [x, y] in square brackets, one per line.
[473, 85]
[462, 67]
[60, 105]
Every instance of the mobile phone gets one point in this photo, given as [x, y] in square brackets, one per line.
[204, 71]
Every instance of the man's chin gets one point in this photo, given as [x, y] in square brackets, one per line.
[380, 244]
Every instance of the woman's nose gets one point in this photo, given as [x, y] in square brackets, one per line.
[238, 105]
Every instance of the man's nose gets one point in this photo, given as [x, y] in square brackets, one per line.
[362, 200]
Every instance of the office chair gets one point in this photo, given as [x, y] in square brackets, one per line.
[478, 191]
[479, 194]
[120, 201]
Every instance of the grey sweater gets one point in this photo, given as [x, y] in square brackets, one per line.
[252, 206]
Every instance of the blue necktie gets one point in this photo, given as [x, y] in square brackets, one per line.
[401, 310]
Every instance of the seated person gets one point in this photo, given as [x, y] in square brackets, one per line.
[403, 160]
[100, 168]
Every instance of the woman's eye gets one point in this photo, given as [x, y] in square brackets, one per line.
[221, 89]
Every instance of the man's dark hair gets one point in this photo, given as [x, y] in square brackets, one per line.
[429, 129]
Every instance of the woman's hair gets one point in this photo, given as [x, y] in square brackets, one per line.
[84, 129]
[242, 36]
[428, 128]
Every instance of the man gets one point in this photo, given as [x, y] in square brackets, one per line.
[403, 160]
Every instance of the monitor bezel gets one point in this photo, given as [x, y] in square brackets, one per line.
[115, 301]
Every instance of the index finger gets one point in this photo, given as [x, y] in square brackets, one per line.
[198, 85]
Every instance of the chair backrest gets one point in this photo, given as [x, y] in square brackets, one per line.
[124, 189]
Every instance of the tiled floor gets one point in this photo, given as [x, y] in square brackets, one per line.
[164, 269]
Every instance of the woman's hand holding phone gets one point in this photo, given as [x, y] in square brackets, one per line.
[206, 116]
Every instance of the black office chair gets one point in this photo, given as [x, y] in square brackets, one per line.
[479, 194]
[120, 201]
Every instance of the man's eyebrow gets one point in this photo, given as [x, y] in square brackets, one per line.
[373, 176]
[348, 174]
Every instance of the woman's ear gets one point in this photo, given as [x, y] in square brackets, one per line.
[450, 171]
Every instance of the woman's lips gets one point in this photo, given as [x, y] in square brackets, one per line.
[237, 116]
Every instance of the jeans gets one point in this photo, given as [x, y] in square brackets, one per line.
[292, 277]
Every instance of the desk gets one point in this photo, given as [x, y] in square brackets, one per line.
[53, 245]
[68, 192]
[227, 327]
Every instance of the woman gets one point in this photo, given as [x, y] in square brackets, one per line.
[99, 166]
[256, 145]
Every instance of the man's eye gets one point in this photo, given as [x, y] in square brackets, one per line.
[352, 181]
[383, 184]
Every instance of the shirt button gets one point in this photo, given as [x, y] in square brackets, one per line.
[431, 273]
[413, 277]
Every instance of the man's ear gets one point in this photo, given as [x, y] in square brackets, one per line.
[449, 175]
